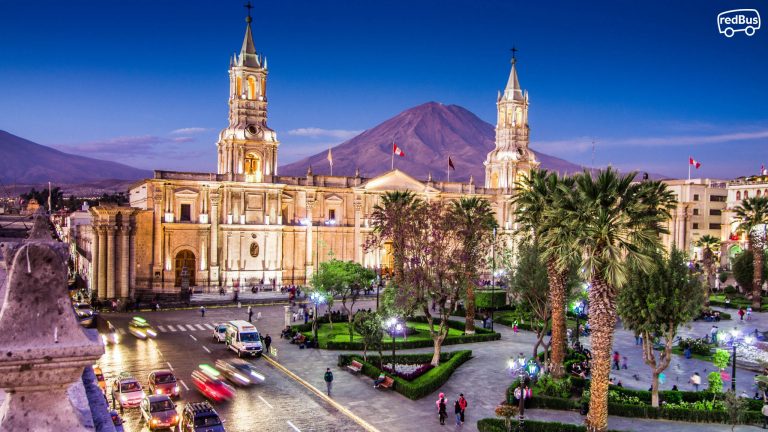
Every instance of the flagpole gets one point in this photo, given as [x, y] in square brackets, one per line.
[689, 169]
[449, 169]
[393, 156]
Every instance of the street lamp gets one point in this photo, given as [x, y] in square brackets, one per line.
[736, 340]
[393, 326]
[578, 309]
[493, 276]
[316, 298]
[524, 371]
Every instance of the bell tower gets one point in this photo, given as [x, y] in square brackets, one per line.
[511, 158]
[248, 146]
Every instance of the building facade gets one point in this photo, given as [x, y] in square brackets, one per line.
[247, 225]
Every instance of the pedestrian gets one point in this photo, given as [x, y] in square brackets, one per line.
[616, 358]
[457, 412]
[695, 380]
[741, 313]
[328, 377]
[463, 403]
[157, 307]
[514, 327]
[250, 314]
[306, 315]
[624, 362]
[638, 339]
[441, 408]
[749, 313]
[765, 415]
[258, 316]
[713, 335]
[202, 311]
[267, 342]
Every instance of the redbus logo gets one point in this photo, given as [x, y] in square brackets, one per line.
[738, 20]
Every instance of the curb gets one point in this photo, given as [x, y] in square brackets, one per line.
[344, 410]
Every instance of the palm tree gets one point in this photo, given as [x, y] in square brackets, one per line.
[392, 221]
[616, 223]
[709, 243]
[474, 222]
[752, 216]
[534, 200]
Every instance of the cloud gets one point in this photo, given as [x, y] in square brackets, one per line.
[189, 131]
[313, 132]
[148, 146]
[584, 144]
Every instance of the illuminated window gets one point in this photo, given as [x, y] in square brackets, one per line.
[252, 167]
[251, 87]
[239, 86]
[495, 180]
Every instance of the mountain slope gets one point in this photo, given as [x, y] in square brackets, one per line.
[427, 133]
[24, 161]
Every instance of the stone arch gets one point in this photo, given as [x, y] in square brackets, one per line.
[184, 258]
[251, 87]
[494, 180]
[253, 166]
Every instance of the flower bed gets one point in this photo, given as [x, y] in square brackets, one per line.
[421, 386]
[408, 372]
[497, 425]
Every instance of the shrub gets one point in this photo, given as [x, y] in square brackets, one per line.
[487, 299]
[715, 382]
[549, 386]
[723, 276]
[697, 345]
[421, 386]
[721, 358]
[497, 425]
[730, 289]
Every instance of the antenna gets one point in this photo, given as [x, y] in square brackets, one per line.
[593, 152]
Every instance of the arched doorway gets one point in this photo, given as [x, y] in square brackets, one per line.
[185, 259]
[252, 167]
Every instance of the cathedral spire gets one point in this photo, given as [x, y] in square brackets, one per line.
[248, 56]
[513, 90]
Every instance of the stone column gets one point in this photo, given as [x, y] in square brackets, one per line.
[41, 361]
[125, 257]
[214, 218]
[110, 262]
[309, 262]
[288, 315]
[94, 276]
[358, 246]
[102, 262]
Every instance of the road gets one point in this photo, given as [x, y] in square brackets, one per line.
[185, 341]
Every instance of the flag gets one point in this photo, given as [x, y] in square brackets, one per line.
[450, 164]
[396, 150]
[330, 156]
[694, 162]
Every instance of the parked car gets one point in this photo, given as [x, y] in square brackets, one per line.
[117, 421]
[208, 381]
[100, 378]
[200, 417]
[85, 314]
[163, 382]
[140, 328]
[239, 372]
[127, 391]
[159, 412]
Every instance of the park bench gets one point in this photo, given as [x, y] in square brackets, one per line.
[388, 382]
[355, 366]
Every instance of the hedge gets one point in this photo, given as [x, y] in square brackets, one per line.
[497, 425]
[421, 386]
[749, 416]
[481, 335]
[486, 299]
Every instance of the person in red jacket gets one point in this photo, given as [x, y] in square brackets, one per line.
[616, 359]
[463, 405]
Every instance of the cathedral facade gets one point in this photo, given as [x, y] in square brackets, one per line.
[246, 224]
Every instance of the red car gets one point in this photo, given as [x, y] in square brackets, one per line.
[208, 381]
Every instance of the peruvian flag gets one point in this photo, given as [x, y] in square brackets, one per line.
[396, 150]
[694, 162]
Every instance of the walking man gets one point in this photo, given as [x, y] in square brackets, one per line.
[463, 404]
[328, 379]
[696, 381]
[616, 358]
[457, 411]
[202, 311]
[267, 342]
[442, 412]
[250, 314]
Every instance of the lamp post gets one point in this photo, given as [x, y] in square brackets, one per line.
[736, 340]
[493, 276]
[578, 309]
[316, 298]
[393, 325]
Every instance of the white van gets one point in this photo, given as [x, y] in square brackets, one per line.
[243, 338]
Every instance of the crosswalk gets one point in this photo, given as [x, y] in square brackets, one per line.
[173, 328]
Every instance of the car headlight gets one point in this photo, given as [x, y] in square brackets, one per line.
[158, 391]
[151, 333]
[174, 419]
[176, 389]
[123, 398]
[154, 421]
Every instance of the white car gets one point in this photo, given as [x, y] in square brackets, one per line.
[220, 333]
[127, 391]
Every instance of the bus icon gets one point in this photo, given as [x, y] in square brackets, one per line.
[738, 20]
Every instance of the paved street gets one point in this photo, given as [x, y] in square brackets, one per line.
[185, 341]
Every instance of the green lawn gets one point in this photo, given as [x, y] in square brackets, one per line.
[340, 333]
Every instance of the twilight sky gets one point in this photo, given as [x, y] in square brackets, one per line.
[144, 82]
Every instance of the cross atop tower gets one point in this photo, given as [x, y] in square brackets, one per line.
[248, 6]
[514, 52]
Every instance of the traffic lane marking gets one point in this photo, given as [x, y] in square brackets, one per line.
[206, 349]
[183, 384]
[169, 366]
[293, 426]
[267, 403]
[193, 338]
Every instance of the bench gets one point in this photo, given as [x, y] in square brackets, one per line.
[388, 382]
[355, 366]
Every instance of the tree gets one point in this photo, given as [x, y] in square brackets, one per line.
[391, 223]
[615, 223]
[368, 326]
[530, 285]
[657, 303]
[539, 220]
[474, 222]
[709, 243]
[57, 197]
[752, 216]
[743, 266]
[343, 279]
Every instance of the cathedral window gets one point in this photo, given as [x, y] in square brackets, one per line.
[239, 86]
[252, 167]
[738, 195]
[251, 88]
[332, 214]
[495, 180]
[185, 213]
[746, 194]
[518, 116]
